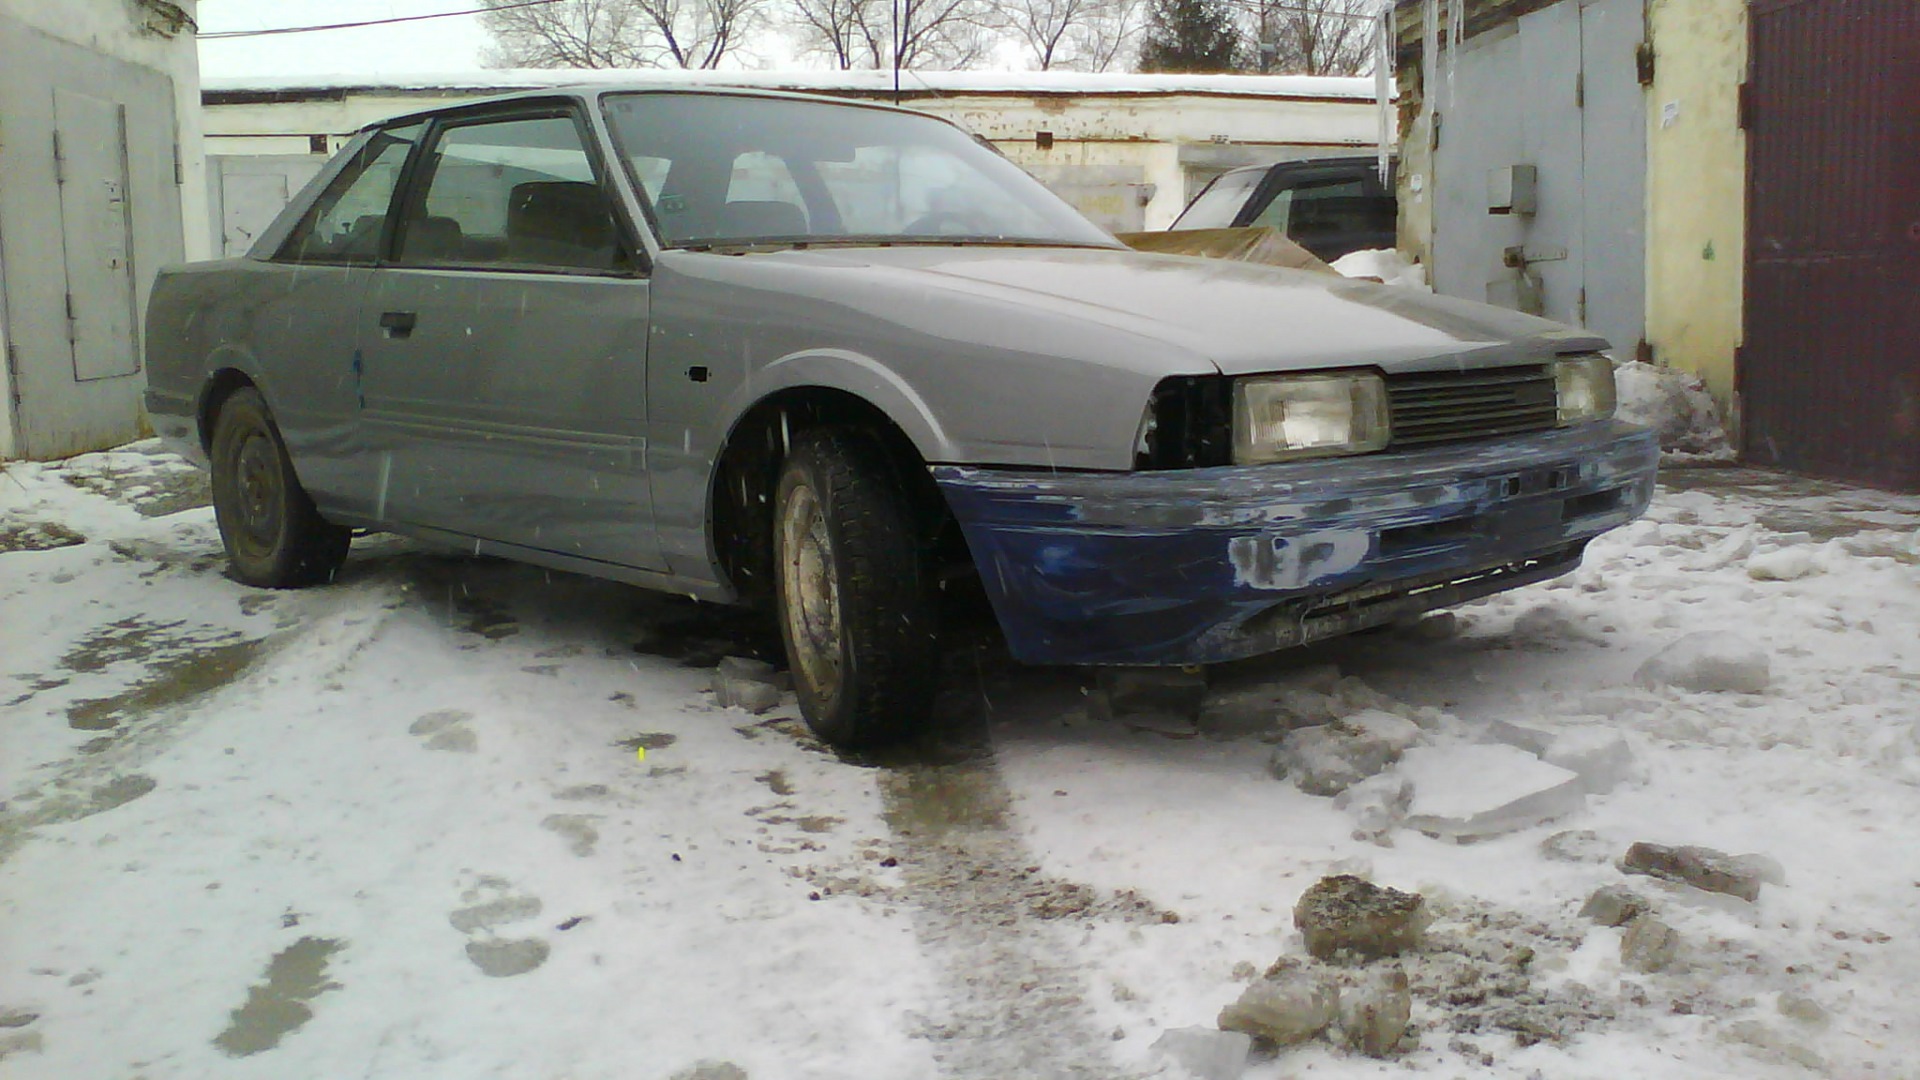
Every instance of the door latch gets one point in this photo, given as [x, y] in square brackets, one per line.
[398, 324]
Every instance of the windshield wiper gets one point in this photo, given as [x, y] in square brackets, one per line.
[748, 244]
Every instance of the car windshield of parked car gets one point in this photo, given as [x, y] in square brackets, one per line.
[736, 170]
[1220, 203]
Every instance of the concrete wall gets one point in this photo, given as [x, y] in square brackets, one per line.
[118, 54]
[1177, 142]
[1108, 151]
[1696, 190]
[1413, 187]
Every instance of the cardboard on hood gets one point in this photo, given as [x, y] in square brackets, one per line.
[1257, 244]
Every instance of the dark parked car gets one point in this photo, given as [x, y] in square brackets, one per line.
[821, 356]
[1331, 206]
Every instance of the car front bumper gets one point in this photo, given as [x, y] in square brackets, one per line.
[1202, 566]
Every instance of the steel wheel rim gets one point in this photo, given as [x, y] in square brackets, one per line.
[258, 498]
[811, 591]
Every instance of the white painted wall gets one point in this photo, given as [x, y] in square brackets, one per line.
[1172, 134]
[79, 45]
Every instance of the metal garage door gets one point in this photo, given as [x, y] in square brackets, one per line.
[1829, 377]
[96, 230]
[1557, 90]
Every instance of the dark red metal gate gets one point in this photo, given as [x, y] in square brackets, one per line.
[1829, 376]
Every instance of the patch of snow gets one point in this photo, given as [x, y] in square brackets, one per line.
[1677, 407]
[435, 763]
[1781, 564]
[1385, 264]
[1205, 1053]
[862, 82]
[1467, 792]
[1709, 663]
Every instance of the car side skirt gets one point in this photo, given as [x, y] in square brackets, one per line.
[705, 591]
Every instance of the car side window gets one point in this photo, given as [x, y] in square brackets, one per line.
[1325, 209]
[511, 194]
[1275, 214]
[345, 223]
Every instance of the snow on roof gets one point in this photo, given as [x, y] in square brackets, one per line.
[916, 83]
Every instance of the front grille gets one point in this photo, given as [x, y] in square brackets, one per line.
[1454, 406]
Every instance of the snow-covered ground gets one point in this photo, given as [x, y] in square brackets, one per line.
[458, 818]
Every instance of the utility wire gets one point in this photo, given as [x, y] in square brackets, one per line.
[223, 34]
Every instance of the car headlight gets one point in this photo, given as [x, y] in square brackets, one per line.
[1584, 387]
[1287, 417]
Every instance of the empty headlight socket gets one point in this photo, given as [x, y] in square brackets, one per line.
[1189, 424]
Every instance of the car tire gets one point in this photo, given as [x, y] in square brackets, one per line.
[274, 537]
[853, 591]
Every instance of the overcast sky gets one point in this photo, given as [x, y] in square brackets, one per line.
[432, 45]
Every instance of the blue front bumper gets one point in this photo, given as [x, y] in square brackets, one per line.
[1201, 566]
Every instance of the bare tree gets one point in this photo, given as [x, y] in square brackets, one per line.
[952, 34]
[1313, 37]
[861, 33]
[1104, 43]
[1074, 35]
[571, 33]
[837, 30]
[699, 33]
[619, 33]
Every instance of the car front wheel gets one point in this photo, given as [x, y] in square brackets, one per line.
[853, 596]
[274, 537]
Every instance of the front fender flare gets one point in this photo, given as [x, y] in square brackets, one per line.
[862, 377]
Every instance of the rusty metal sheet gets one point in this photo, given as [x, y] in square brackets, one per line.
[1829, 376]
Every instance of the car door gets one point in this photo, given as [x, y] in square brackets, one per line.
[505, 344]
[300, 326]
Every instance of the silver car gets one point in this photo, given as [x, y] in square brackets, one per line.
[825, 357]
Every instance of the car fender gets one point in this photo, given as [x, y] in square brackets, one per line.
[862, 377]
[227, 356]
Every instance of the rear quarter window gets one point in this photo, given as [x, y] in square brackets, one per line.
[346, 222]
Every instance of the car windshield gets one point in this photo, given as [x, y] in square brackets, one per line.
[1220, 203]
[736, 170]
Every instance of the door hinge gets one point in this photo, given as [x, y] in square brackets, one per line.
[179, 170]
[59, 161]
[1745, 107]
[73, 333]
[1580, 90]
[1580, 309]
[1643, 62]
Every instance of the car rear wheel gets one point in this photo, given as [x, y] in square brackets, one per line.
[274, 537]
[853, 591]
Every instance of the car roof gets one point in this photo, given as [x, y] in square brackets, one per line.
[590, 91]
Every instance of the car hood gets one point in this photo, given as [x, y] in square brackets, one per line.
[1240, 317]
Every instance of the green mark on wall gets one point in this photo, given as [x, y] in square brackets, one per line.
[1707, 252]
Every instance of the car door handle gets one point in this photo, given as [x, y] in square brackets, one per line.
[398, 324]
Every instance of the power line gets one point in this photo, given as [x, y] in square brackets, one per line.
[223, 34]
